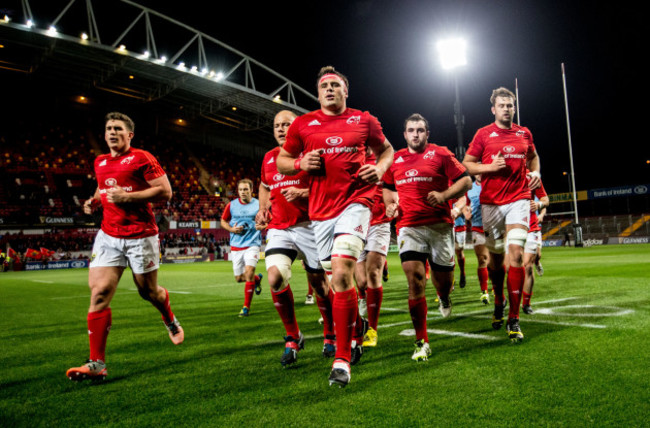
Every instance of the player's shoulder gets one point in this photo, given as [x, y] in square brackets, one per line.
[439, 150]
[271, 154]
[522, 130]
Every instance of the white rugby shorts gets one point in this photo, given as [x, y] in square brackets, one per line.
[300, 238]
[242, 258]
[533, 242]
[141, 254]
[436, 240]
[378, 240]
[354, 220]
[496, 217]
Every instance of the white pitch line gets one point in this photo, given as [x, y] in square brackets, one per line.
[44, 282]
[411, 332]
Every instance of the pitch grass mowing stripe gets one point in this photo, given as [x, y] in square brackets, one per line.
[411, 332]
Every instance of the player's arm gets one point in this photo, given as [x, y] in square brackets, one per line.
[91, 203]
[265, 205]
[474, 167]
[391, 200]
[293, 193]
[541, 214]
[456, 190]
[289, 165]
[384, 155]
[159, 190]
[232, 229]
[458, 207]
[533, 165]
[539, 205]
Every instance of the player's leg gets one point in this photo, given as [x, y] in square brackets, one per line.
[149, 290]
[374, 294]
[361, 279]
[102, 282]
[538, 260]
[516, 236]
[104, 274]
[278, 268]
[482, 258]
[413, 265]
[529, 262]
[460, 256]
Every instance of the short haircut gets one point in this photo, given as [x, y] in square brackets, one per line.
[245, 181]
[416, 117]
[115, 115]
[328, 69]
[503, 93]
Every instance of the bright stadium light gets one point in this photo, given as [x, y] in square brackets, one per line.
[219, 76]
[29, 23]
[452, 53]
[84, 36]
[51, 31]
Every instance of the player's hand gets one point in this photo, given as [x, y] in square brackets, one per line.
[89, 206]
[534, 206]
[291, 193]
[391, 210]
[498, 163]
[534, 180]
[116, 195]
[259, 226]
[370, 173]
[311, 161]
[435, 198]
[237, 229]
[262, 217]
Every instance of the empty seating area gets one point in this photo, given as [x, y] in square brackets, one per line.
[599, 227]
[47, 171]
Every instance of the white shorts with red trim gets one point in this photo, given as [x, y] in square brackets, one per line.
[242, 258]
[141, 254]
[354, 220]
[300, 238]
[496, 217]
[378, 241]
[436, 240]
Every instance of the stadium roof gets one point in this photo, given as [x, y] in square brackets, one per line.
[130, 50]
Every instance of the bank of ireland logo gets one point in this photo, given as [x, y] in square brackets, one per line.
[641, 190]
[509, 149]
[278, 177]
[334, 141]
[411, 173]
[110, 182]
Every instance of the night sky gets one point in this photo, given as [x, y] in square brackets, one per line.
[387, 50]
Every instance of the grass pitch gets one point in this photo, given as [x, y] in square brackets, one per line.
[583, 362]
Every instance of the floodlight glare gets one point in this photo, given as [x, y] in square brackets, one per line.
[452, 53]
[219, 76]
[51, 31]
[84, 36]
[29, 23]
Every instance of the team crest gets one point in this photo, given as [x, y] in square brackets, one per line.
[110, 182]
[127, 160]
[429, 155]
[278, 177]
[353, 120]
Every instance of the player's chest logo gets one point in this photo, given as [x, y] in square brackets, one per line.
[509, 149]
[127, 160]
[278, 177]
[520, 133]
[353, 120]
[411, 173]
[333, 141]
[110, 182]
[429, 155]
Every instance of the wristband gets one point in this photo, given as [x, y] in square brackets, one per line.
[456, 210]
[536, 174]
[296, 165]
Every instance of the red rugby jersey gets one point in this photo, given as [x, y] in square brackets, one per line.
[130, 171]
[414, 175]
[516, 144]
[343, 140]
[534, 225]
[283, 214]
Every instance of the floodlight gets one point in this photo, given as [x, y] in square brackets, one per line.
[452, 53]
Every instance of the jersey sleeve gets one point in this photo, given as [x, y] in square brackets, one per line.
[453, 168]
[152, 168]
[294, 144]
[226, 213]
[540, 192]
[376, 135]
[389, 179]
